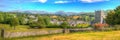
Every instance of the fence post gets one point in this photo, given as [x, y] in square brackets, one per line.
[2, 33]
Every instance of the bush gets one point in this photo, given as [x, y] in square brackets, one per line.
[36, 25]
[64, 25]
[100, 26]
[117, 27]
[53, 26]
[83, 25]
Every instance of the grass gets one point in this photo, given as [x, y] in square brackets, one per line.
[110, 35]
[22, 28]
[8, 27]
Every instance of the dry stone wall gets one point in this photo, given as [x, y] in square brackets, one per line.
[32, 33]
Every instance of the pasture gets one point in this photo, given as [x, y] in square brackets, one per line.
[109, 35]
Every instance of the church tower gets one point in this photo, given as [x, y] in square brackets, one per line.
[99, 16]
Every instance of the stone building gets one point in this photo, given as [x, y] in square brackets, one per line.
[99, 16]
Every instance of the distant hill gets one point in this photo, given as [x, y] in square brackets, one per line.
[61, 13]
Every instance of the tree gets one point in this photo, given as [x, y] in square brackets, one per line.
[113, 17]
[23, 20]
[7, 16]
[38, 24]
[117, 10]
[47, 21]
[30, 21]
[14, 22]
[87, 18]
[110, 17]
[1, 18]
[64, 25]
[41, 22]
[117, 15]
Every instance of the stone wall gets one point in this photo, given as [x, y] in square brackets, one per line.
[81, 29]
[43, 32]
[31, 33]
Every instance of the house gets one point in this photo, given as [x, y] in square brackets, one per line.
[74, 23]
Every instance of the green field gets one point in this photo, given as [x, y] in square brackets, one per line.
[110, 35]
[22, 28]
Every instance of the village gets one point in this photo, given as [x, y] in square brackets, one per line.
[59, 19]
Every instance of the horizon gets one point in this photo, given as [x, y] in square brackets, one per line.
[58, 5]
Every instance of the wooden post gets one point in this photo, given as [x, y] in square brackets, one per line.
[2, 33]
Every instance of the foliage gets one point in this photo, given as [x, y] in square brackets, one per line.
[110, 18]
[41, 22]
[47, 20]
[22, 19]
[14, 22]
[64, 25]
[116, 27]
[38, 24]
[113, 17]
[87, 18]
[7, 18]
[1, 18]
[100, 26]
[34, 25]
[53, 26]
[84, 25]
[30, 21]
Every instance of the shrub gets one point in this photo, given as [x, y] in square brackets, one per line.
[36, 25]
[83, 25]
[100, 26]
[117, 27]
[64, 25]
[53, 26]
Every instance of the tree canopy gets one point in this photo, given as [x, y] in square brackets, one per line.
[113, 17]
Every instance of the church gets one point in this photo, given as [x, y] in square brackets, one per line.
[99, 16]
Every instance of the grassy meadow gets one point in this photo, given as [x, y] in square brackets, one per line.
[22, 28]
[110, 35]
[106, 35]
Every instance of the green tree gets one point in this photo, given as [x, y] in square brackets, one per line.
[38, 24]
[14, 22]
[117, 15]
[30, 21]
[64, 25]
[1, 18]
[22, 19]
[87, 18]
[113, 17]
[110, 17]
[41, 22]
[47, 21]
[7, 16]
[117, 10]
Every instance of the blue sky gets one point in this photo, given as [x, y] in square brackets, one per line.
[58, 5]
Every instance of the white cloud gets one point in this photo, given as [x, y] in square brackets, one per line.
[92, 1]
[60, 2]
[41, 1]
